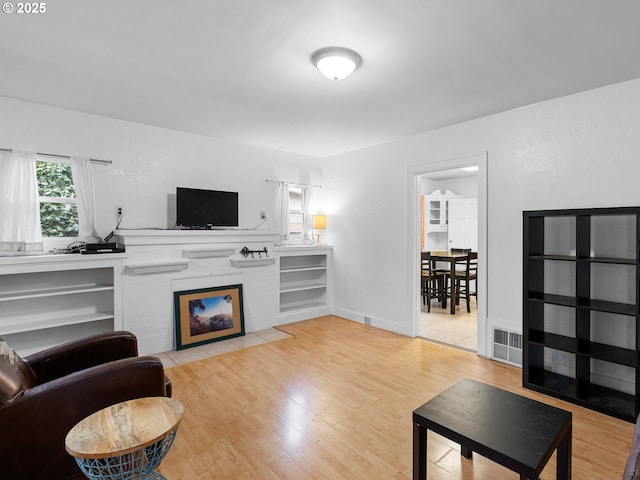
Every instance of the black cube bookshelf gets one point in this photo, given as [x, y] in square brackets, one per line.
[580, 307]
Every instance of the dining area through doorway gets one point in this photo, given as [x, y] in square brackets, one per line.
[448, 218]
[449, 310]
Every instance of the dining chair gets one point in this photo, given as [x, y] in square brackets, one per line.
[432, 281]
[464, 278]
[461, 264]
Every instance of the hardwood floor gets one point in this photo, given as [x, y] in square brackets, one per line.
[334, 401]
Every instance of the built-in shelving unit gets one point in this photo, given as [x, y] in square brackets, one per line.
[48, 300]
[581, 290]
[304, 273]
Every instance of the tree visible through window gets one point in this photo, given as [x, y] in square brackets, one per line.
[58, 203]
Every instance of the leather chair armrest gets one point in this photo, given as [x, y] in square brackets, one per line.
[35, 425]
[79, 354]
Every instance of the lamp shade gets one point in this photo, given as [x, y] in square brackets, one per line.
[319, 222]
[336, 63]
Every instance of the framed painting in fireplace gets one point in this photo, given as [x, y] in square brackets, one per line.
[208, 315]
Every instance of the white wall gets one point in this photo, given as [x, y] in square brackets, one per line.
[576, 151]
[150, 162]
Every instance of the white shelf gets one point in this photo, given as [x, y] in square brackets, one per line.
[240, 261]
[300, 269]
[284, 288]
[208, 252]
[157, 267]
[48, 300]
[303, 282]
[290, 308]
[15, 325]
[53, 292]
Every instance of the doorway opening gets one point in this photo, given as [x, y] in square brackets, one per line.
[449, 220]
[440, 180]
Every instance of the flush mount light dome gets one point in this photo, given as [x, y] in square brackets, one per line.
[336, 63]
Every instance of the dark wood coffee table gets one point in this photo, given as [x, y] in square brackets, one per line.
[518, 433]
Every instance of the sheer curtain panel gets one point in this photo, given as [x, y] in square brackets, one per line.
[19, 206]
[307, 229]
[282, 212]
[86, 202]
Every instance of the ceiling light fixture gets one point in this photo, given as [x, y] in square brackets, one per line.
[473, 168]
[336, 63]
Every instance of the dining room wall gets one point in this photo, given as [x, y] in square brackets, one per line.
[576, 151]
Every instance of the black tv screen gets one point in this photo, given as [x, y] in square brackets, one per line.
[206, 208]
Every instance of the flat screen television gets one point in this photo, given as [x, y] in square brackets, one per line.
[196, 208]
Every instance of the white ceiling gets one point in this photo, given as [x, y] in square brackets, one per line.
[239, 70]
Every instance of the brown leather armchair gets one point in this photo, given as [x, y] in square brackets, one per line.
[42, 396]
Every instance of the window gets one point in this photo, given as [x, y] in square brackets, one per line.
[57, 197]
[296, 212]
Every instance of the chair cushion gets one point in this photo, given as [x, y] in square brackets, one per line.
[15, 375]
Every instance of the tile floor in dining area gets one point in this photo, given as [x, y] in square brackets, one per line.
[460, 330]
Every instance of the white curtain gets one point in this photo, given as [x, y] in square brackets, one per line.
[20, 229]
[307, 229]
[86, 202]
[282, 213]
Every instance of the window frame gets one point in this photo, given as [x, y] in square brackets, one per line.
[57, 242]
[297, 235]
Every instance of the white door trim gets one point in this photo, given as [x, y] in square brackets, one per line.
[413, 248]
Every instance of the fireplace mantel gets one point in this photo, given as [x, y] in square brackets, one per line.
[181, 237]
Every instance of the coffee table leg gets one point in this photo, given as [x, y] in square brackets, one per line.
[563, 468]
[466, 452]
[419, 452]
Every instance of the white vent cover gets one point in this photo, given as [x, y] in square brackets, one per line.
[507, 346]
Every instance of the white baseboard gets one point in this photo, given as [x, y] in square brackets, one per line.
[373, 321]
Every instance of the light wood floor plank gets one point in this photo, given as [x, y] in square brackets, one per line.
[334, 401]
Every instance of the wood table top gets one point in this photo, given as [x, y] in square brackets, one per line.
[446, 254]
[124, 427]
[488, 418]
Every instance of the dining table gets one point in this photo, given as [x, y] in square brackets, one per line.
[451, 258]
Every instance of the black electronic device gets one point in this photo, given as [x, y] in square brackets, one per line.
[203, 209]
[95, 248]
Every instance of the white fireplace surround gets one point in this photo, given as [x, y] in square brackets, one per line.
[160, 262]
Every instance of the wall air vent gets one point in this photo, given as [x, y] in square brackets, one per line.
[507, 346]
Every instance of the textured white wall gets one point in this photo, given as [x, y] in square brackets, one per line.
[150, 162]
[577, 151]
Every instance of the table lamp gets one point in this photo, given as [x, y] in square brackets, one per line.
[319, 223]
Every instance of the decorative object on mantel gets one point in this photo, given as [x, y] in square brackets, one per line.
[245, 252]
[319, 223]
[207, 315]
